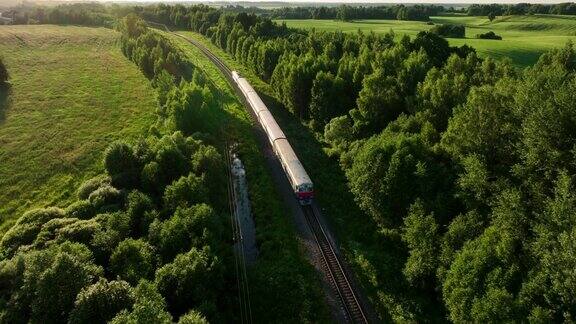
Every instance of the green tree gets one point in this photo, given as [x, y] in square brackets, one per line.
[328, 99]
[546, 103]
[100, 302]
[41, 286]
[379, 102]
[421, 236]
[339, 133]
[133, 260]
[27, 228]
[122, 164]
[482, 282]
[549, 289]
[491, 16]
[185, 192]
[149, 307]
[188, 227]
[487, 126]
[192, 280]
[192, 317]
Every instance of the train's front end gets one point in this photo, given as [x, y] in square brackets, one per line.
[305, 193]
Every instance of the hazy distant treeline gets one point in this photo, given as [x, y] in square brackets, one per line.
[347, 12]
[567, 8]
[90, 14]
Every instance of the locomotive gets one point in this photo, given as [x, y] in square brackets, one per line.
[299, 179]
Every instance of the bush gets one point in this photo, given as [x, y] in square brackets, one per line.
[188, 227]
[184, 192]
[82, 209]
[149, 307]
[80, 231]
[27, 227]
[105, 195]
[133, 260]
[122, 164]
[192, 317]
[119, 157]
[100, 302]
[489, 35]
[50, 229]
[191, 281]
[56, 285]
[450, 30]
[140, 210]
[91, 185]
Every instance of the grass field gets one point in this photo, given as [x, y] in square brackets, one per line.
[72, 93]
[524, 37]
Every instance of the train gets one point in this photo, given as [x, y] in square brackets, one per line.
[298, 177]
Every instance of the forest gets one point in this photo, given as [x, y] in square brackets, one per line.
[473, 157]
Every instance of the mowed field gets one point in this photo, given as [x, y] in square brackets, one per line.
[72, 93]
[524, 37]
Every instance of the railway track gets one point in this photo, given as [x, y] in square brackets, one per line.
[334, 269]
[332, 264]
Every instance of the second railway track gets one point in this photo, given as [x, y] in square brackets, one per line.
[333, 266]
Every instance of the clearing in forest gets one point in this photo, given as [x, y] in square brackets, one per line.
[72, 93]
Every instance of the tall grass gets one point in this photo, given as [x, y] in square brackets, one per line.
[72, 92]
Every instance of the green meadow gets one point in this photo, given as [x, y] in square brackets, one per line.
[524, 37]
[72, 92]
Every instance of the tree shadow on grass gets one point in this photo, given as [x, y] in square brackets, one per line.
[4, 100]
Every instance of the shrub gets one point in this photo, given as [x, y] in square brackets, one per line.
[149, 307]
[81, 231]
[489, 35]
[119, 157]
[122, 164]
[140, 210]
[27, 227]
[50, 229]
[192, 280]
[91, 185]
[82, 209]
[192, 317]
[450, 30]
[188, 227]
[133, 260]
[57, 285]
[105, 195]
[186, 191]
[100, 302]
